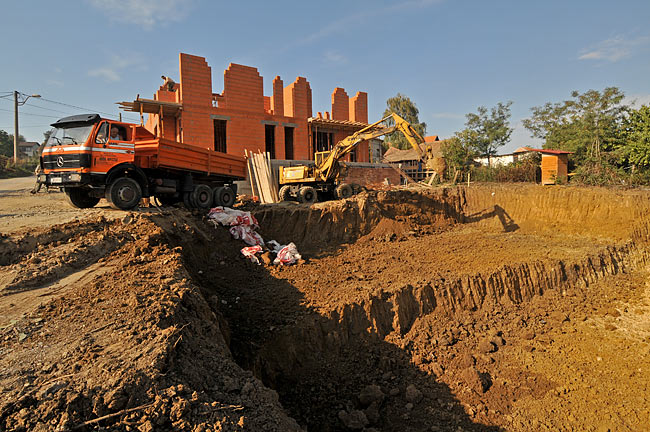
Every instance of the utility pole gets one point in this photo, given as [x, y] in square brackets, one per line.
[15, 127]
[17, 95]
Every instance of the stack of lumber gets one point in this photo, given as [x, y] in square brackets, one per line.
[264, 184]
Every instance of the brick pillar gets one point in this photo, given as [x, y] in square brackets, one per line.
[277, 101]
[359, 107]
[340, 104]
[297, 99]
[196, 97]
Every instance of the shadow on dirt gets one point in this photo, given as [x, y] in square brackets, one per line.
[321, 365]
[497, 211]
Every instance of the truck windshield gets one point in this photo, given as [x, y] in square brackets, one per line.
[69, 135]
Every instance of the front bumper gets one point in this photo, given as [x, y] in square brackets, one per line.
[64, 179]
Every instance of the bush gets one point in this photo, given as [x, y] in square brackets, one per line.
[24, 168]
[524, 171]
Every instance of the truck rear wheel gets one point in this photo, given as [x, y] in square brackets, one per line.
[343, 191]
[224, 196]
[124, 193]
[202, 196]
[188, 200]
[307, 195]
[285, 193]
[80, 198]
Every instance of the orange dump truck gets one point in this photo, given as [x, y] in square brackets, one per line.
[93, 158]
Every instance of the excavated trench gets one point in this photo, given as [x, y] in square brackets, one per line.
[360, 335]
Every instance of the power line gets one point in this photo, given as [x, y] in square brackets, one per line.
[30, 114]
[48, 109]
[81, 108]
[23, 126]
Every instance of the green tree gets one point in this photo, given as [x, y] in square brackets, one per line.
[487, 130]
[635, 148]
[458, 150]
[587, 124]
[7, 143]
[405, 108]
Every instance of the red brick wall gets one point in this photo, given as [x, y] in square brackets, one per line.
[277, 101]
[196, 97]
[246, 109]
[243, 88]
[371, 176]
[359, 107]
[340, 104]
[297, 99]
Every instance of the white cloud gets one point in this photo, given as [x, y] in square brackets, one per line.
[352, 21]
[55, 83]
[636, 100]
[447, 115]
[147, 13]
[613, 49]
[112, 71]
[334, 57]
[108, 74]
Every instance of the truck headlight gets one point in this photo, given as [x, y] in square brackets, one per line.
[75, 177]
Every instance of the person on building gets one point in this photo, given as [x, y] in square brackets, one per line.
[169, 83]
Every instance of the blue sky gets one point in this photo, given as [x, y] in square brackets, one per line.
[448, 56]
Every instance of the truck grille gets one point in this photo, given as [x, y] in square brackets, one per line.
[54, 161]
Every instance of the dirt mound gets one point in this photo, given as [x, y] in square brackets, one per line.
[326, 225]
[136, 344]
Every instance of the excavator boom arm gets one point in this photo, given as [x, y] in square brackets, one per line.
[346, 145]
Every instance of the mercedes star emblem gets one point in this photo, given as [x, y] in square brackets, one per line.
[59, 161]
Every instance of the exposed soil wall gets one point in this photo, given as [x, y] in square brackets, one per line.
[483, 308]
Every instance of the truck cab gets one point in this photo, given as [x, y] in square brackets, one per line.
[81, 153]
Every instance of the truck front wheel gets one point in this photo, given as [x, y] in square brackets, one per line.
[80, 198]
[307, 195]
[344, 191]
[285, 193]
[124, 193]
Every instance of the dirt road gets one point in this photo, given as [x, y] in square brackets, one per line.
[20, 209]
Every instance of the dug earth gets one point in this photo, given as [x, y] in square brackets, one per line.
[486, 308]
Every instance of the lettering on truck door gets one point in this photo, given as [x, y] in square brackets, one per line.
[113, 146]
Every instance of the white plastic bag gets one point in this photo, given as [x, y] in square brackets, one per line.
[287, 255]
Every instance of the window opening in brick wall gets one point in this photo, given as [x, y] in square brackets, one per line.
[220, 135]
[269, 133]
[323, 141]
[288, 143]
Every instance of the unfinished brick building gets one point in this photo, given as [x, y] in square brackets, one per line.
[241, 117]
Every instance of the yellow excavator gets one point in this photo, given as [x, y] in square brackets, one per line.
[327, 174]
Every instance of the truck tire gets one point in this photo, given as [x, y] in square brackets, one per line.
[124, 193]
[343, 191]
[188, 200]
[78, 197]
[307, 195]
[202, 196]
[285, 193]
[224, 196]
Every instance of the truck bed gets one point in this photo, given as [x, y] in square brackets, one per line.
[168, 154]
